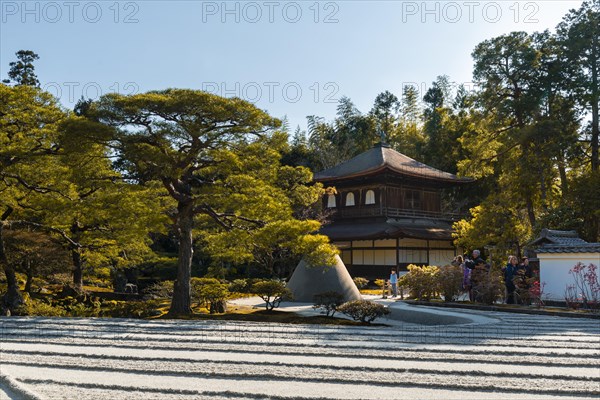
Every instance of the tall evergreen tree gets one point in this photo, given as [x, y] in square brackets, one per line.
[210, 154]
[22, 72]
[441, 140]
[579, 34]
[408, 137]
[29, 132]
[385, 113]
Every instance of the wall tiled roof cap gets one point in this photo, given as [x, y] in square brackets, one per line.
[586, 248]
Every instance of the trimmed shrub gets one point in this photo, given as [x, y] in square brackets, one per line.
[422, 281]
[450, 279]
[380, 283]
[159, 290]
[363, 310]
[239, 286]
[360, 282]
[488, 286]
[272, 292]
[214, 295]
[328, 301]
[204, 281]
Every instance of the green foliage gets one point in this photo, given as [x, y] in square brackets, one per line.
[239, 286]
[577, 36]
[384, 112]
[363, 310]
[103, 272]
[159, 290]
[134, 309]
[380, 283]
[585, 200]
[272, 292]
[224, 179]
[33, 307]
[422, 281]
[495, 222]
[328, 302]
[22, 72]
[450, 279]
[408, 136]
[211, 292]
[360, 282]
[160, 267]
[35, 254]
[84, 310]
[198, 282]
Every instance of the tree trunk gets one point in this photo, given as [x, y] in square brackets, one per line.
[181, 304]
[29, 281]
[543, 187]
[595, 99]
[77, 269]
[530, 210]
[562, 171]
[13, 297]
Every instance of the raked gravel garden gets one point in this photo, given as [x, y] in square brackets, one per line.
[414, 353]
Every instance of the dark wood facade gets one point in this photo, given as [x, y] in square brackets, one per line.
[387, 212]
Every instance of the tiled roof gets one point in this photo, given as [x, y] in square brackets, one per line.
[553, 241]
[586, 248]
[558, 238]
[381, 157]
[384, 230]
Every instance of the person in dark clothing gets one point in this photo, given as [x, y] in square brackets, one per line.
[509, 272]
[474, 260]
[523, 280]
[477, 266]
[528, 269]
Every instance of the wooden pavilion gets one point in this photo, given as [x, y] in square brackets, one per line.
[387, 212]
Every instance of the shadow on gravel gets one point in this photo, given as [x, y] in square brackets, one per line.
[426, 318]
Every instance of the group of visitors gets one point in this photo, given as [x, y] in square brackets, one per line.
[516, 276]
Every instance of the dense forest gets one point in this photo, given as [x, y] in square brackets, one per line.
[201, 184]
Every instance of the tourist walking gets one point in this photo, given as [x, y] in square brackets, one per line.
[394, 283]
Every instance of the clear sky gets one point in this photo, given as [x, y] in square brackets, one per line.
[293, 58]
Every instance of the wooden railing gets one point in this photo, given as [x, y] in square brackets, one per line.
[390, 212]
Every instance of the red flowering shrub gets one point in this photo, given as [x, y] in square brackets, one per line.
[586, 289]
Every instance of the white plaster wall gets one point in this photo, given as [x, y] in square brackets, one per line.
[554, 271]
